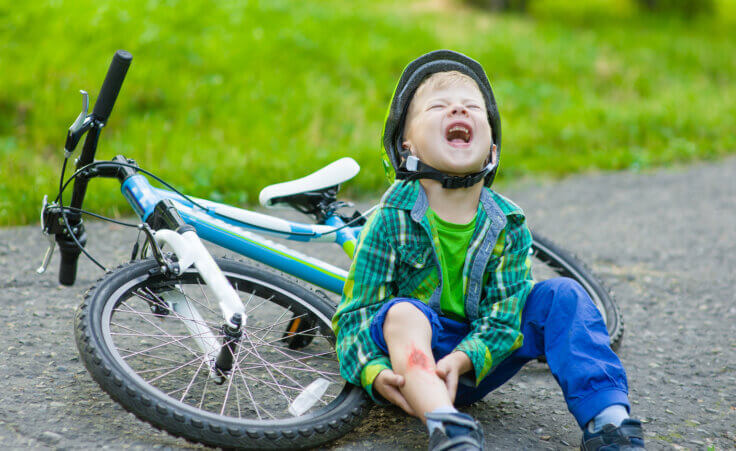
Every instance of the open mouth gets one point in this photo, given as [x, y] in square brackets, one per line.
[458, 133]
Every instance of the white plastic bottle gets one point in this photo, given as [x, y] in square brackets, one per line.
[308, 397]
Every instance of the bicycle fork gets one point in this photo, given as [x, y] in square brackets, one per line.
[190, 250]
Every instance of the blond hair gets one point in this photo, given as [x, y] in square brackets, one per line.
[441, 80]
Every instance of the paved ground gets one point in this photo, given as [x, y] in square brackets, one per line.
[665, 241]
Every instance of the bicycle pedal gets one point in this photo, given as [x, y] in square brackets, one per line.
[299, 332]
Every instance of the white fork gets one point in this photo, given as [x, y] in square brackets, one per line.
[190, 250]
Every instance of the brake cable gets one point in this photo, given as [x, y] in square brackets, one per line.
[190, 200]
[63, 185]
[66, 220]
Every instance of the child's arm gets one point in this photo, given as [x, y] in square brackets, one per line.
[495, 334]
[389, 384]
[451, 367]
[368, 286]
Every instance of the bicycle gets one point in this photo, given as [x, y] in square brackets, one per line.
[215, 350]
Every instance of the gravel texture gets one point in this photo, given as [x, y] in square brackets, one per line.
[664, 241]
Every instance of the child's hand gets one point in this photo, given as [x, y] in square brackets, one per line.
[388, 383]
[449, 369]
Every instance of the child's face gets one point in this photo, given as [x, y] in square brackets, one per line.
[447, 128]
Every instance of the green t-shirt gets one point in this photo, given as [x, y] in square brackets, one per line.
[454, 240]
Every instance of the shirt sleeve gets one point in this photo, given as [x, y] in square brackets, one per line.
[367, 287]
[370, 372]
[496, 333]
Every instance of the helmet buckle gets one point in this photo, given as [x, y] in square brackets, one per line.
[412, 163]
[465, 181]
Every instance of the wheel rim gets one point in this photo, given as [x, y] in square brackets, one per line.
[160, 352]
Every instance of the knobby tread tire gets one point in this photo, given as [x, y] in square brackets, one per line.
[570, 266]
[151, 406]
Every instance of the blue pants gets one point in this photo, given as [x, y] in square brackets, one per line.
[559, 321]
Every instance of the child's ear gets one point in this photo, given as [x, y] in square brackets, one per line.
[406, 145]
[492, 156]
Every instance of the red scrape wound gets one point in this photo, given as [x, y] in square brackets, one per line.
[418, 359]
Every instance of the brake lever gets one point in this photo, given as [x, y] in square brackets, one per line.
[52, 243]
[165, 265]
[79, 127]
[47, 258]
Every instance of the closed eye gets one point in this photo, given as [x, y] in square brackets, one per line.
[435, 106]
[473, 107]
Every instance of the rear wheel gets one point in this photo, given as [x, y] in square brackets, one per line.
[549, 260]
[139, 341]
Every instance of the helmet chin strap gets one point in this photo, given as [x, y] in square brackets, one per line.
[413, 169]
[416, 169]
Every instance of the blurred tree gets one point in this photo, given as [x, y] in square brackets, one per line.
[685, 8]
[500, 5]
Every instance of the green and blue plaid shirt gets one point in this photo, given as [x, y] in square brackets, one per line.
[396, 256]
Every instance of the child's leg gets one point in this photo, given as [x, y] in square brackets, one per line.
[561, 322]
[408, 330]
[578, 350]
[408, 336]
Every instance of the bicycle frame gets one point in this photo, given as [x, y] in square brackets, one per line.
[235, 229]
[227, 226]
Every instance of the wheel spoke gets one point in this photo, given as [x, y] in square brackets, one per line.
[279, 350]
[206, 298]
[172, 350]
[191, 381]
[257, 408]
[173, 369]
[250, 395]
[178, 341]
[229, 380]
[247, 312]
[204, 392]
[164, 317]
[171, 311]
[157, 357]
[267, 368]
[193, 299]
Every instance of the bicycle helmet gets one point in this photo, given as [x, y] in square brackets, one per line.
[398, 162]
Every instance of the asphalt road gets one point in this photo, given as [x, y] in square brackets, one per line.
[665, 241]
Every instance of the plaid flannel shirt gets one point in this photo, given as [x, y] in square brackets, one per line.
[396, 256]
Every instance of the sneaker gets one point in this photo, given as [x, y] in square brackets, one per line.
[459, 432]
[628, 436]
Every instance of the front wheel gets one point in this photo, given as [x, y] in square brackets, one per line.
[143, 337]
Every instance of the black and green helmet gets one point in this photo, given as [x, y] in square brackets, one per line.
[395, 158]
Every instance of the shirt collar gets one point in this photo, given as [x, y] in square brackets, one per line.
[411, 196]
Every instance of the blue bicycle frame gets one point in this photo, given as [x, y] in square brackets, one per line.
[234, 229]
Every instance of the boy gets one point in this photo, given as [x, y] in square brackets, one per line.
[440, 307]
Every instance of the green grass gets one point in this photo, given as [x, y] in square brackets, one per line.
[225, 97]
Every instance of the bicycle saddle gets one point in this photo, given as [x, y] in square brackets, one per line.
[333, 174]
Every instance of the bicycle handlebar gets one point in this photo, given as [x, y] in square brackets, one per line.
[111, 86]
[69, 247]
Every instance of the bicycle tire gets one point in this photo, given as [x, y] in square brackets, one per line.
[566, 265]
[104, 313]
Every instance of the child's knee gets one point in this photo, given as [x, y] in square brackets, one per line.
[555, 296]
[565, 285]
[570, 296]
[403, 316]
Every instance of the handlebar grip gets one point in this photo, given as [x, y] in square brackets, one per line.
[70, 251]
[111, 86]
